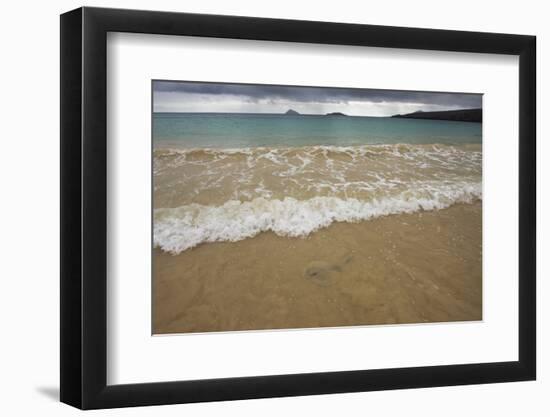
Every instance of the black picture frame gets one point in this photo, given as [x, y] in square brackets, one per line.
[84, 207]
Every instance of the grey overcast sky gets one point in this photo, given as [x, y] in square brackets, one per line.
[171, 96]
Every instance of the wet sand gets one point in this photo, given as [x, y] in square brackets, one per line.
[410, 268]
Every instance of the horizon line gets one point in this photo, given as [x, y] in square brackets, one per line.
[314, 114]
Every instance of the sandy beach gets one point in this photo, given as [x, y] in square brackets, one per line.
[403, 268]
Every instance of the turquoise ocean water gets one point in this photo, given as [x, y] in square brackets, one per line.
[219, 130]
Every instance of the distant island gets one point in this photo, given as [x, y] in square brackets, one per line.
[466, 115]
[291, 112]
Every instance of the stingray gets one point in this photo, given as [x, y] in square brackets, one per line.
[322, 273]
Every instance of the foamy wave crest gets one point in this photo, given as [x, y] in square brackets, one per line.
[182, 228]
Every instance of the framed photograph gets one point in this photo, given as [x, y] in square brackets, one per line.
[257, 208]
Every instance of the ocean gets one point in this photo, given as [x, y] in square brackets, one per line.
[229, 177]
[230, 130]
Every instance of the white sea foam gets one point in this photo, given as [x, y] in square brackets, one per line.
[182, 228]
[186, 176]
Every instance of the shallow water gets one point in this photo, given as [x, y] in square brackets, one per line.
[208, 195]
[406, 268]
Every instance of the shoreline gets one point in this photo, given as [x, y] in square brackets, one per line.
[401, 268]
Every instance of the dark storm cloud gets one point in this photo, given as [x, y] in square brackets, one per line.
[255, 93]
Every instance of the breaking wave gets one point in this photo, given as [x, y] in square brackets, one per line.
[181, 228]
